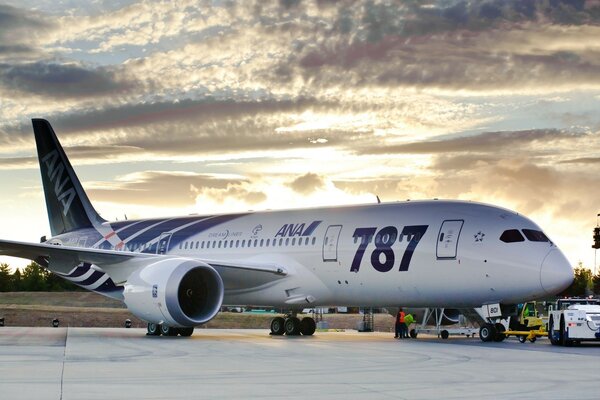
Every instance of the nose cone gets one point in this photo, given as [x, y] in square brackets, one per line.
[556, 273]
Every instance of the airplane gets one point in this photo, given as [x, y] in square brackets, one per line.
[176, 273]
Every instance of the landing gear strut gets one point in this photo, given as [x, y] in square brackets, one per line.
[293, 326]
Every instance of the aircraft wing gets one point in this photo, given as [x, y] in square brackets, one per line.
[120, 264]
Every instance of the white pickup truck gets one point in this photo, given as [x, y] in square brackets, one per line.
[574, 320]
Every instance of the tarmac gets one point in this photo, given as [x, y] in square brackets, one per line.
[119, 363]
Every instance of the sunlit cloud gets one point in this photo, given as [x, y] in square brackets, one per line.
[202, 107]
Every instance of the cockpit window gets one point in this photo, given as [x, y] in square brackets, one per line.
[511, 236]
[535, 236]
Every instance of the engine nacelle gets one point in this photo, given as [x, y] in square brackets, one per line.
[177, 292]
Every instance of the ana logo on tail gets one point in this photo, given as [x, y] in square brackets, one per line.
[58, 175]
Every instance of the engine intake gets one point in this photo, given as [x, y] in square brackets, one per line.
[175, 292]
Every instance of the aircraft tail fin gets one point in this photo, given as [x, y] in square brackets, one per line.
[68, 206]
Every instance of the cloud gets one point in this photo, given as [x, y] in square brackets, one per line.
[61, 80]
[582, 160]
[487, 142]
[176, 189]
[18, 25]
[308, 183]
[231, 193]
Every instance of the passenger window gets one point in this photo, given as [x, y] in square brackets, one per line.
[268, 242]
[293, 241]
[262, 241]
[314, 240]
[535, 236]
[237, 243]
[512, 236]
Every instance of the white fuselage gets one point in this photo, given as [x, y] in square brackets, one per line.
[450, 255]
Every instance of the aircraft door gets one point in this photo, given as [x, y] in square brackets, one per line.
[163, 243]
[330, 242]
[447, 240]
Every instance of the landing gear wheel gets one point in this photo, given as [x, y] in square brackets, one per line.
[186, 331]
[413, 333]
[308, 326]
[499, 336]
[522, 338]
[292, 326]
[444, 334]
[168, 331]
[153, 329]
[487, 332]
[277, 326]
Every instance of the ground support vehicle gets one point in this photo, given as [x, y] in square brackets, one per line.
[573, 321]
[532, 335]
[432, 324]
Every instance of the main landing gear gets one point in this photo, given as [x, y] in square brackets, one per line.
[293, 326]
[157, 330]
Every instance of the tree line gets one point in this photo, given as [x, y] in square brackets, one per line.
[32, 278]
[585, 283]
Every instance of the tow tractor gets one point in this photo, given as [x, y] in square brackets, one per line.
[529, 325]
[574, 320]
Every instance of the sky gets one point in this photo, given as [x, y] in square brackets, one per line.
[179, 107]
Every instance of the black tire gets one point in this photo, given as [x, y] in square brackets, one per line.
[499, 336]
[564, 340]
[522, 338]
[292, 326]
[186, 331]
[153, 329]
[308, 326]
[167, 331]
[533, 339]
[487, 332]
[553, 340]
[444, 334]
[413, 334]
[277, 326]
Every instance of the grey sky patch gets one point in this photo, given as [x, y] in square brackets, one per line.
[484, 142]
[17, 24]
[61, 80]
[582, 160]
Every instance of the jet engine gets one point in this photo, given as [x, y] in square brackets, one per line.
[177, 292]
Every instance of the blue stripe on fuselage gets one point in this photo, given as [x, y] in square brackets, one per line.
[201, 226]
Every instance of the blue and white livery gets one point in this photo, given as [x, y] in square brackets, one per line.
[176, 273]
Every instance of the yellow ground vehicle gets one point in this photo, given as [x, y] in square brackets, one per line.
[528, 325]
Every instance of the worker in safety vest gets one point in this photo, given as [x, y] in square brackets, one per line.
[401, 330]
